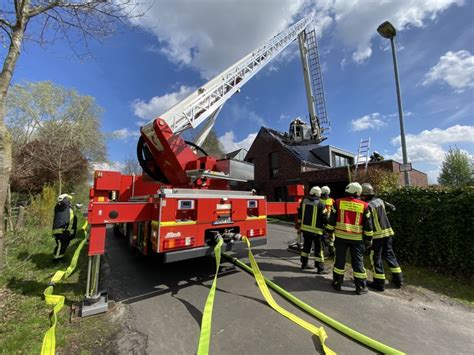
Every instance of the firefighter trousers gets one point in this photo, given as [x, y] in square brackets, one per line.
[357, 250]
[310, 239]
[62, 242]
[382, 250]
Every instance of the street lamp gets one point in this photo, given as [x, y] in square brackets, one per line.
[386, 30]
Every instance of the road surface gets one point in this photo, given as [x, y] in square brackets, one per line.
[160, 307]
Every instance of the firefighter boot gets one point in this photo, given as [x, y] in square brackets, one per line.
[377, 285]
[304, 263]
[361, 287]
[320, 269]
[337, 281]
[397, 279]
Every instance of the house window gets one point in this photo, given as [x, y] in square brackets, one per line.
[340, 160]
[273, 157]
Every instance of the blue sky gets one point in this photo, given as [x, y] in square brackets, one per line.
[178, 45]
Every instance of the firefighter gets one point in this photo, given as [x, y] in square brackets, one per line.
[313, 218]
[329, 202]
[382, 241]
[352, 225]
[64, 225]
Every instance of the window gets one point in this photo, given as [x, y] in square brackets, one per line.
[340, 160]
[273, 157]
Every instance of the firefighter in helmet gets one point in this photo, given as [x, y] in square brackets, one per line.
[351, 223]
[313, 218]
[328, 202]
[382, 249]
[64, 225]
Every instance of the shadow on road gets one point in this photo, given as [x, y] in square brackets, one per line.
[130, 277]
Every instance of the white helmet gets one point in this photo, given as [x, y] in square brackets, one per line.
[315, 191]
[354, 188]
[325, 190]
[62, 197]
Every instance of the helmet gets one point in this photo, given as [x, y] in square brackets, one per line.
[315, 191]
[367, 189]
[63, 197]
[325, 190]
[354, 188]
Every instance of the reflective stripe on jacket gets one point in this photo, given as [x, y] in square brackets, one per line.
[313, 216]
[351, 219]
[382, 227]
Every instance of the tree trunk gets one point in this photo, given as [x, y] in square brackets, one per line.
[5, 141]
[21, 218]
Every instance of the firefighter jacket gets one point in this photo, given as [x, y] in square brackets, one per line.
[64, 219]
[351, 219]
[313, 215]
[381, 224]
[328, 202]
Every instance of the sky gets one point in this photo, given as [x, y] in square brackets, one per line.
[140, 71]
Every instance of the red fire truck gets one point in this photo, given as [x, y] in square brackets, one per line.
[185, 198]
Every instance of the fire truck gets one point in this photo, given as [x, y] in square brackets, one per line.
[183, 201]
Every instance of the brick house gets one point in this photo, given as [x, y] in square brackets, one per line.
[279, 163]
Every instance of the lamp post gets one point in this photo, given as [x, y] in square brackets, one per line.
[386, 30]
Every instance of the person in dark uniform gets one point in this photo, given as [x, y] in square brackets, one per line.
[64, 225]
[382, 248]
[313, 218]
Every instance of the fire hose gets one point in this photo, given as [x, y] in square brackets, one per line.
[263, 282]
[57, 301]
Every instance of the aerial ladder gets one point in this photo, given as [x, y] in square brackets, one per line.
[183, 202]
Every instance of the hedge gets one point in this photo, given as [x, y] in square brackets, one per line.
[434, 228]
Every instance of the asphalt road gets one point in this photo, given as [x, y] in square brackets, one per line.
[161, 307]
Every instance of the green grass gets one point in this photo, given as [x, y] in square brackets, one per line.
[460, 289]
[24, 316]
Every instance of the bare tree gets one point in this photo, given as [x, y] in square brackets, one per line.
[131, 166]
[74, 21]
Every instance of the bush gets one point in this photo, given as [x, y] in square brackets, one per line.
[434, 228]
[41, 210]
[380, 179]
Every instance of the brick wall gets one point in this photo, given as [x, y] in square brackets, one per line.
[289, 167]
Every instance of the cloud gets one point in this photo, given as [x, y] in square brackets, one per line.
[230, 144]
[356, 21]
[453, 134]
[430, 146]
[111, 166]
[160, 104]
[371, 121]
[454, 68]
[209, 36]
[124, 133]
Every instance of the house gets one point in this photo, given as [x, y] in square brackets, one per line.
[279, 162]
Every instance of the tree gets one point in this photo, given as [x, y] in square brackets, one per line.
[131, 166]
[55, 133]
[72, 21]
[456, 170]
[212, 145]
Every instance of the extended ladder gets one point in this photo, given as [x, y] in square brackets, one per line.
[205, 101]
[317, 81]
[363, 154]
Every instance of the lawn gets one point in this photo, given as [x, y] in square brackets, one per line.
[24, 316]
